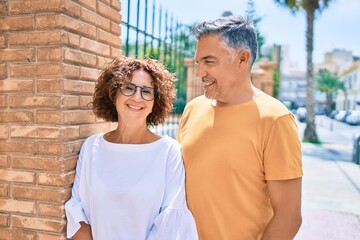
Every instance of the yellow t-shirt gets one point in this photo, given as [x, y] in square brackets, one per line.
[229, 154]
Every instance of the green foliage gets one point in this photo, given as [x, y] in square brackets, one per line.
[328, 82]
[251, 13]
[276, 87]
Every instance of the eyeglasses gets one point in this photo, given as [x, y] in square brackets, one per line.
[129, 89]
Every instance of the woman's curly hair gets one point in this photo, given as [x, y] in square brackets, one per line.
[121, 70]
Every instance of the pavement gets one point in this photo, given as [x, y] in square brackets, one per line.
[330, 193]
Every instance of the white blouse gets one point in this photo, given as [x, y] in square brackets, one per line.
[130, 191]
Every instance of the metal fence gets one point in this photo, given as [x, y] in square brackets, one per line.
[149, 30]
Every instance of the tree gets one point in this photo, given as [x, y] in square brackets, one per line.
[311, 7]
[250, 11]
[328, 83]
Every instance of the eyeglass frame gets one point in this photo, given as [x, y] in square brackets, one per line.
[141, 89]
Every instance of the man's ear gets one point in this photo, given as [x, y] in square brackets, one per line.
[244, 57]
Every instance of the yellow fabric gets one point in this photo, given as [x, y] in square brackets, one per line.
[229, 154]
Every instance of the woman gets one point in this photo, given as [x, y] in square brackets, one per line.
[129, 182]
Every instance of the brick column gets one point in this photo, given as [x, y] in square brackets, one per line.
[194, 86]
[51, 52]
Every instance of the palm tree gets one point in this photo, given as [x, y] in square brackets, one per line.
[328, 83]
[310, 7]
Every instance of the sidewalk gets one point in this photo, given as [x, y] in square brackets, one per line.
[331, 193]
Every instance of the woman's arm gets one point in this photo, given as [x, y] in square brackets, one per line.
[84, 233]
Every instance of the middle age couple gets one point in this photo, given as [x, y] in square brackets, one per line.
[239, 146]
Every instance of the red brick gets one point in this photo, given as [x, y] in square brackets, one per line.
[17, 176]
[4, 131]
[87, 130]
[95, 19]
[77, 26]
[116, 4]
[16, 23]
[4, 189]
[90, 4]
[69, 163]
[53, 194]
[17, 146]
[14, 234]
[48, 117]
[38, 223]
[71, 132]
[49, 54]
[49, 148]
[85, 102]
[35, 132]
[78, 57]
[94, 47]
[78, 117]
[3, 9]
[56, 179]
[70, 39]
[109, 38]
[91, 74]
[115, 52]
[44, 236]
[102, 62]
[49, 86]
[70, 102]
[72, 148]
[72, 8]
[79, 87]
[48, 21]
[71, 72]
[36, 163]
[35, 38]
[21, 101]
[17, 55]
[3, 101]
[16, 85]
[11, 205]
[115, 29]
[2, 41]
[35, 70]
[31, 6]
[16, 117]
[108, 12]
[4, 219]
[4, 161]
[107, 2]
[3, 72]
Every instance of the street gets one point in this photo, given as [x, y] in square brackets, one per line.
[331, 184]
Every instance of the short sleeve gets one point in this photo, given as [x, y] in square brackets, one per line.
[174, 221]
[282, 155]
[74, 208]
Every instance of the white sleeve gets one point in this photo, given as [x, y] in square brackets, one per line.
[74, 208]
[175, 221]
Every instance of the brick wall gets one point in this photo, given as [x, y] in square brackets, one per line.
[51, 52]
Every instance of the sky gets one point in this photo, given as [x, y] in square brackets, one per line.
[338, 27]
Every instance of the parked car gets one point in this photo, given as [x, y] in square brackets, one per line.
[333, 113]
[341, 115]
[353, 118]
[301, 114]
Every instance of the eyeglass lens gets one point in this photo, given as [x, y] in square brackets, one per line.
[129, 89]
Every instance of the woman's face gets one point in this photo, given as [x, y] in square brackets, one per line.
[135, 108]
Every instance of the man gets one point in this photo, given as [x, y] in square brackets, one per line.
[241, 148]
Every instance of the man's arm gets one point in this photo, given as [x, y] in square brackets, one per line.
[285, 197]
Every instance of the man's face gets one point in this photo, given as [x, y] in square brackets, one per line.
[218, 69]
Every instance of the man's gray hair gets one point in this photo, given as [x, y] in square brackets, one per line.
[237, 32]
